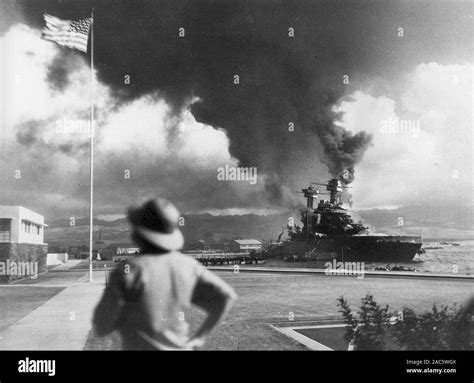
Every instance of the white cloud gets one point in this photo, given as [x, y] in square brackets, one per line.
[141, 131]
[143, 124]
[138, 125]
[422, 150]
[198, 140]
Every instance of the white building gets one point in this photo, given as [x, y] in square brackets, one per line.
[21, 242]
[21, 225]
[245, 245]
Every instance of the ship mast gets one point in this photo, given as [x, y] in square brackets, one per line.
[310, 193]
[335, 189]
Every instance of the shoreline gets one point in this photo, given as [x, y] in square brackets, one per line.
[371, 273]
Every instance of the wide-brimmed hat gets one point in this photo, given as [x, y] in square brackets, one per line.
[157, 223]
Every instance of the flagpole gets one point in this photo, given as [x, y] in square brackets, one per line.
[92, 131]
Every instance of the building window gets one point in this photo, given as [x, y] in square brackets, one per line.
[5, 230]
[30, 227]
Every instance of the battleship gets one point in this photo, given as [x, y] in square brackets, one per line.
[329, 232]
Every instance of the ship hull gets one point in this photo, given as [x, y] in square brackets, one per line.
[364, 248]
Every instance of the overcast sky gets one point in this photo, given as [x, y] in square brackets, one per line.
[409, 66]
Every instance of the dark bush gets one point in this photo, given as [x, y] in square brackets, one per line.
[368, 332]
[448, 328]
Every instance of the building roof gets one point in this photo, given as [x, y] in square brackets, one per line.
[13, 211]
[124, 245]
[247, 241]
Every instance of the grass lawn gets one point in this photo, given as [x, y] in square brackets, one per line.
[17, 302]
[266, 299]
[96, 265]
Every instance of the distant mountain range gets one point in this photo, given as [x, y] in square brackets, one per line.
[435, 222]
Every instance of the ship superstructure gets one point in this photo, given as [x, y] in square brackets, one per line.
[330, 232]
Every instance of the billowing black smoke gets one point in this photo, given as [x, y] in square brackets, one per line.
[290, 58]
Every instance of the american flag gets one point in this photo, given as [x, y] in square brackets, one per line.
[67, 33]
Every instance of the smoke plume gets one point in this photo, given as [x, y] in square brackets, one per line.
[255, 68]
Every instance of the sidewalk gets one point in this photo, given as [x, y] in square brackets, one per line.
[62, 323]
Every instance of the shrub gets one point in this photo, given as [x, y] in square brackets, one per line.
[368, 332]
[448, 328]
